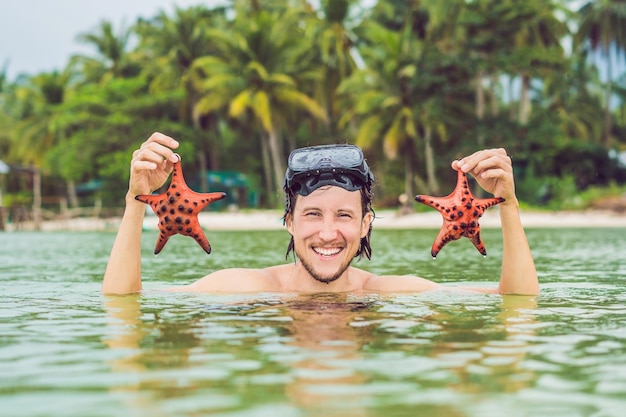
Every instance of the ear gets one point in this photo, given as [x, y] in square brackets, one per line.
[365, 224]
[289, 223]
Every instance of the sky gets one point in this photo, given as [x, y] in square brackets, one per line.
[40, 35]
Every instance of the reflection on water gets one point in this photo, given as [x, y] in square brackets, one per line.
[328, 353]
[67, 350]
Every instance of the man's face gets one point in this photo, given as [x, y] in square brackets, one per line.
[327, 227]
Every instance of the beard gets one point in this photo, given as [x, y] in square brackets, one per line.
[317, 276]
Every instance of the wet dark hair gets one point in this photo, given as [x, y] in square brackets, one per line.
[367, 197]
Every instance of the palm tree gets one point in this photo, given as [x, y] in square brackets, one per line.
[603, 26]
[168, 47]
[36, 102]
[111, 60]
[335, 43]
[537, 46]
[171, 44]
[257, 79]
[34, 132]
[567, 95]
[620, 91]
[6, 120]
[399, 97]
[384, 100]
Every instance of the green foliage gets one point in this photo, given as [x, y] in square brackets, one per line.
[594, 194]
[241, 85]
[547, 191]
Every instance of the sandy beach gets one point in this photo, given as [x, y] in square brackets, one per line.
[385, 219]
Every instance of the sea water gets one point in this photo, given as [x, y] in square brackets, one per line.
[67, 350]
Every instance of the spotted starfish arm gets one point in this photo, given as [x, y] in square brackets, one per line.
[444, 237]
[178, 209]
[460, 211]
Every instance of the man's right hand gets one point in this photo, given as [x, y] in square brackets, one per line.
[152, 164]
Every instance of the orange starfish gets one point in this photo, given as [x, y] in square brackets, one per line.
[460, 211]
[178, 210]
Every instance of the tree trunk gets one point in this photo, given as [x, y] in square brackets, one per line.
[433, 184]
[524, 100]
[197, 125]
[495, 110]
[511, 102]
[408, 169]
[204, 181]
[608, 126]
[409, 173]
[480, 106]
[71, 194]
[421, 184]
[267, 171]
[36, 198]
[291, 140]
[213, 142]
[214, 154]
[277, 161]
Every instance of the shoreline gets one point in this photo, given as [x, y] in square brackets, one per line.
[385, 219]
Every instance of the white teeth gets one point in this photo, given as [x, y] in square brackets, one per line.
[327, 251]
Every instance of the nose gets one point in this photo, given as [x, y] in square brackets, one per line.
[328, 231]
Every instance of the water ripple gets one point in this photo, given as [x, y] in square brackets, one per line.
[67, 350]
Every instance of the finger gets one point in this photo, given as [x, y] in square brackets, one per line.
[161, 141]
[478, 156]
[156, 153]
[480, 160]
[164, 153]
[502, 162]
[485, 153]
[493, 173]
[144, 166]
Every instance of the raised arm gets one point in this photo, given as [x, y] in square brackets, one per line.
[493, 171]
[150, 167]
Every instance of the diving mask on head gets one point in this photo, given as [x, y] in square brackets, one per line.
[317, 166]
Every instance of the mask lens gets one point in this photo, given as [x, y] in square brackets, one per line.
[338, 156]
[340, 165]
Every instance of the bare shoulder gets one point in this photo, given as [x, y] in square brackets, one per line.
[237, 280]
[408, 283]
[400, 283]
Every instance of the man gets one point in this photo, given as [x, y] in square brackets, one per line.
[328, 214]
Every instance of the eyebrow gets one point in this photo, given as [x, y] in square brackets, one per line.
[339, 210]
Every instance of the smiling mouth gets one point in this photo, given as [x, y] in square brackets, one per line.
[327, 251]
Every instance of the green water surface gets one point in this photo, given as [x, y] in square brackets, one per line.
[66, 350]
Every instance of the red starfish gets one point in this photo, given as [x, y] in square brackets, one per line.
[178, 210]
[460, 211]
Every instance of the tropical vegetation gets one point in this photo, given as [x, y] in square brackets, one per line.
[415, 83]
